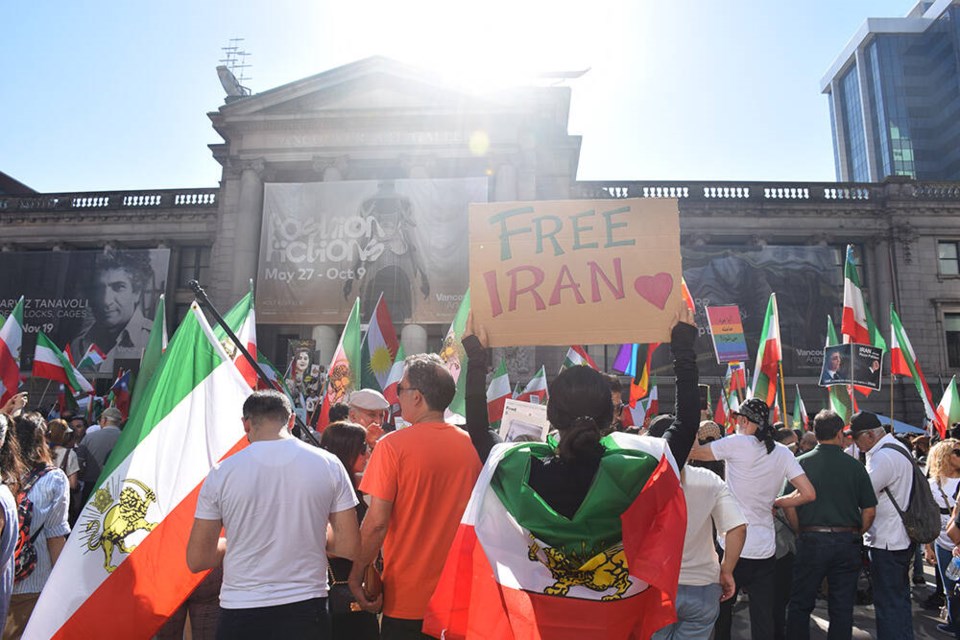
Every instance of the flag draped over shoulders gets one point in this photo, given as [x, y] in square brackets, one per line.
[519, 570]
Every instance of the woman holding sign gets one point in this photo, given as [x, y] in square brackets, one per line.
[576, 538]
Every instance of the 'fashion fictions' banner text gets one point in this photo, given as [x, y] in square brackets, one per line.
[575, 271]
[324, 244]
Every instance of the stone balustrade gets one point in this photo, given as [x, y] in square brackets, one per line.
[767, 191]
[111, 200]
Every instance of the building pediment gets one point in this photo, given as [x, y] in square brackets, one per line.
[371, 85]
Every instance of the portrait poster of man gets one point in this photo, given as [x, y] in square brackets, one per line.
[81, 298]
[324, 244]
[858, 364]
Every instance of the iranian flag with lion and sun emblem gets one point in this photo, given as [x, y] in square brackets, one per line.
[123, 571]
[518, 570]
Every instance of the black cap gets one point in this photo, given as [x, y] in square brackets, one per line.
[863, 421]
[755, 410]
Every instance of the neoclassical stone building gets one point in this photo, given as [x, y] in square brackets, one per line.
[377, 122]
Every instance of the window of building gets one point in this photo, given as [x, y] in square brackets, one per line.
[951, 326]
[949, 257]
[194, 264]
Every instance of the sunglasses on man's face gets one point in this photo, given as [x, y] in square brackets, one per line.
[956, 452]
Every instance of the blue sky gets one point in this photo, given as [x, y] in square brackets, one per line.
[105, 95]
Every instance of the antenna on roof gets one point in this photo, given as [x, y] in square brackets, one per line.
[235, 58]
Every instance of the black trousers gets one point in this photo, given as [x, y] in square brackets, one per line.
[758, 577]
[401, 629]
[304, 620]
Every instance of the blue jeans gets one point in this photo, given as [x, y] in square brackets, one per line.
[944, 557]
[836, 557]
[697, 610]
[890, 571]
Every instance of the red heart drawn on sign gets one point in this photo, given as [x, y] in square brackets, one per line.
[655, 289]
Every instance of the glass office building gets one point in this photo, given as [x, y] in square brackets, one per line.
[894, 96]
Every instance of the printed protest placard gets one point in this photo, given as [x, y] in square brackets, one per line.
[729, 342]
[524, 422]
[858, 364]
[575, 271]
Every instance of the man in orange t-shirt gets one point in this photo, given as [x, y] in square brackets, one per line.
[419, 480]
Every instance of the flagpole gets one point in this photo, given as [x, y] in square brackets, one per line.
[891, 394]
[204, 301]
[783, 393]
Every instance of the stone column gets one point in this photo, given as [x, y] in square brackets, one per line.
[326, 338]
[413, 337]
[249, 218]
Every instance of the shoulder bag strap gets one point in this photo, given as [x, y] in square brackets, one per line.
[913, 464]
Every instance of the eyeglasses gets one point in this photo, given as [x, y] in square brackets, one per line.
[402, 389]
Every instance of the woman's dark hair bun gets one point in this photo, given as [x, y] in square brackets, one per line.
[581, 441]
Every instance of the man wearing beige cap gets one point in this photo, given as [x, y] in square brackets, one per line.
[367, 409]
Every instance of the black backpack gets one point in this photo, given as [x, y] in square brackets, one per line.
[921, 518]
[25, 554]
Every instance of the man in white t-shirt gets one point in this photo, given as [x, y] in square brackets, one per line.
[891, 551]
[705, 582]
[275, 500]
[756, 469]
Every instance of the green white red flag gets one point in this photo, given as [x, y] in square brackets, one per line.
[518, 570]
[800, 418]
[242, 320]
[156, 345]
[857, 324]
[455, 358]
[904, 362]
[497, 394]
[343, 375]
[577, 355]
[948, 411]
[379, 348]
[124, 580]
[92, 358]
[11, 339]
[50, 363]
[769, 352]
[536, 389]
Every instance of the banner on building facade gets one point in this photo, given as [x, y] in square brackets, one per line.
[808, 281]
[324, 244]
[575, 271]
[85, 298]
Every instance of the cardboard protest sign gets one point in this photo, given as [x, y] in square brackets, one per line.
[729, 342]
[857, 364]
[575, 271]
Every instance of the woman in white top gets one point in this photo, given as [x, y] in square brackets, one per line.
[944, 470]
[755, 472]
[49, 492]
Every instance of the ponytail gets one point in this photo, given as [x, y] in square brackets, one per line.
[765, 435]
[580, 443]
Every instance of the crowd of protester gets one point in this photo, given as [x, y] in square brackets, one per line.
[784, 515]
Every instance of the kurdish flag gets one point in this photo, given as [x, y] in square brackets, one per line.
[123, 572]
[904, 362]
[577, 355]
[948, 412]
[768, 356]
[536, 388]
[11, 339]
[343, 373]
[455, 358]
[800, 418]
[497, 394]
[857, 324]
[518, 570]
[52, 364]
[396, 375]
[379, 348]
[841, 398]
